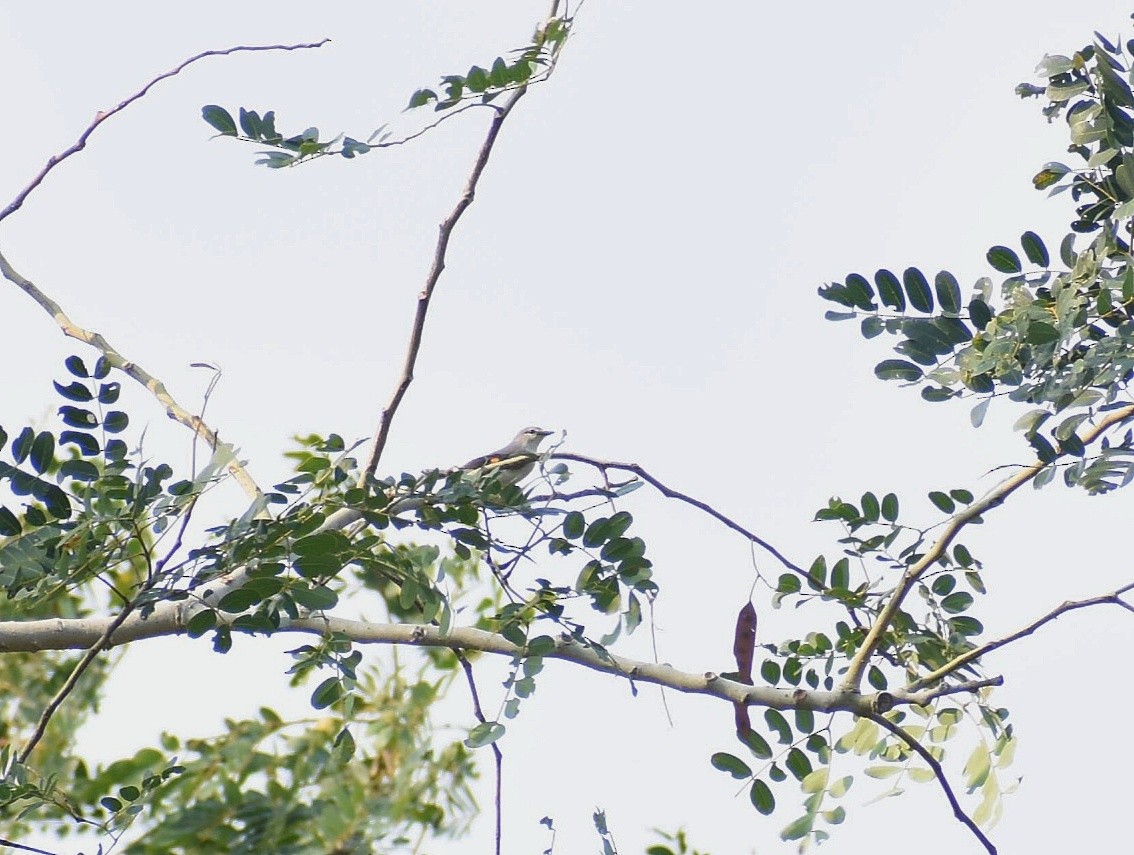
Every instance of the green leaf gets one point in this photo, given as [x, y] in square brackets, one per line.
[890, 290]
[798, 828]
[942, 501]
[74, 391]
[115, 421]
[979, 313]
[22, 445]
[731, 764]
[1034, 249]
[201, 623]
[804, 721]
[860, 292]
[948, 292]
[1004, 259]
[1041, 333]
[897, 369]
[921, 298]
[9, 523]
[757, 744]
[778, 723]
[789, 583]
[319, 598]
[222, 121]
[43, 452]
[484, 733]
[770, 671]
[890, 507]
[79, 470]
[876, 678]
[762, 798]
[976, 416]
[957, 602]
[326, 693]
[76, 366]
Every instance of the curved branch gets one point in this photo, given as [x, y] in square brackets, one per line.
[953, 526]
[155, 387]
[103, 115]
[938, 773]
[1114, 597]
[670, 493]
[82, 633]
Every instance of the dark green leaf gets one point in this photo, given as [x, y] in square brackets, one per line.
[876, 678]
[870, 507]
[921, 298]
[76, 366]
[1041, 333]
[9, 523]
[317, 599]
[250, 123]
[115, 421]
[1004, 259]
[222, 121]
[1034, 249]
[770, 671]
[74, 391]
[43, 452]
[326, 693]
[108, 392]
[77, 417]
[22, 445]
[897, 369]
[890, 507]
[798, 764]
[762, 798]
[979, 313]
[757, 744]
[79, 470]
[957, 602]
[201, 623]
[789, 583]
[860, 292]
[948, 292]
[942, 501]
[779, 724]
[731, 764]
[890, 290]
[804, 721]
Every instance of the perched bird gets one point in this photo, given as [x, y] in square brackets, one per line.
[512, 463]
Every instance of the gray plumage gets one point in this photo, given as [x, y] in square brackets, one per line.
[512, 463]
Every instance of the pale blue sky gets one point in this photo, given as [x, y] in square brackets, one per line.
[639, 269]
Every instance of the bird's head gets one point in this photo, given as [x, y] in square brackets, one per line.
[530, 438]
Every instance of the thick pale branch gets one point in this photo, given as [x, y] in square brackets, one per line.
[155, 387]
[939, 773]
[103, 115]
[71, 634]
[1113, 598]
[670, 493]
[956, 523]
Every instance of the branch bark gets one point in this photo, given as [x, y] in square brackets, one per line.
[853, 678]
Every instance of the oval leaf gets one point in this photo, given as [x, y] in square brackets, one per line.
[917, 287]
[731, 764]
[1034, 249]
[1004, 259]
[948, 291]
[897, 369]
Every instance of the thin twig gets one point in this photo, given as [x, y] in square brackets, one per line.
[73, 679]
[1114, 597]
[103, 115]
[938, 773]
[953, 526]
[496, 752]
[670, 493]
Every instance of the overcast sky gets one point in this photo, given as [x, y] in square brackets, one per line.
[639, 269]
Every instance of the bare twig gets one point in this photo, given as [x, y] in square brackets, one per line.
[496, 752]
[426, 293]
[1114, 598]
[953, 526]
[938, 773]
[670, 493]
[103, 115]
[445, 232]
[155, 387]
[72, 680]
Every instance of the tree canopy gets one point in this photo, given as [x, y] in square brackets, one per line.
[882, 681]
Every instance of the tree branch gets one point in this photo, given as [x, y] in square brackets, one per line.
[939, 773]
[426, 294]
[953, 526]
[103, 115]
[155, 387]
[1114, 597]
[82, 633]
[496, 752]
[382, 433]
[670, 493]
